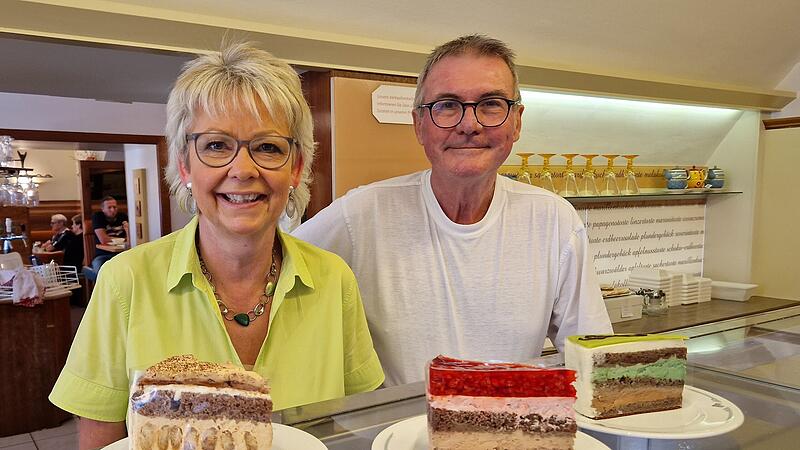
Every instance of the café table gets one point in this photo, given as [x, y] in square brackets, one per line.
[113, 248]
[45, 257]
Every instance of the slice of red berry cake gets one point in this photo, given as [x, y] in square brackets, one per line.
[478, 405]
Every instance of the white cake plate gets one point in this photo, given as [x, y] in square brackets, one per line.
[284, 437]
[703, 415]
[412, 434]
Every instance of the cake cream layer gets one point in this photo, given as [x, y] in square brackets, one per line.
[201, 402]
[672, 369]
[516, 440]
[159, 433]
[181, 388]
[521, 406]
[615, 400]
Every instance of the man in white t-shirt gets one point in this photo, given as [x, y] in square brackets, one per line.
[458, 260]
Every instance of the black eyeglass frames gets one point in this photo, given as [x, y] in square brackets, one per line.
[490, 112]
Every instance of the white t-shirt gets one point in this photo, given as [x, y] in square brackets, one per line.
[492, 290]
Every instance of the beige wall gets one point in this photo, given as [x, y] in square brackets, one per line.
[730, 219]
[776, 254]
[62, 166]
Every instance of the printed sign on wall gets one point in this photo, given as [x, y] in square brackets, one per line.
[657, 237]
[393, 104]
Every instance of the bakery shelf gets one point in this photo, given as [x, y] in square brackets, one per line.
[654, 194]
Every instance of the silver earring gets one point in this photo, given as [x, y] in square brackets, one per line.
[190, 204]
[291, 204]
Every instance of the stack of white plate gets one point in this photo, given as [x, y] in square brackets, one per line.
[705, 290]
[680, 288]
[693, 289]
[657, 280]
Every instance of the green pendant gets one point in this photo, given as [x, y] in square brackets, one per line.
[269, 289]
[242, 319]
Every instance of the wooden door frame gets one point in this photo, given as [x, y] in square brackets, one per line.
[111, 138]
[86, 169]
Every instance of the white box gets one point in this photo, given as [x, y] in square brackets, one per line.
[727, 290]
[627, 307]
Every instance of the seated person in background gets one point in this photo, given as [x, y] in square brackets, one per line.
[241, 145]
[459, 260]
[107, 223]
[73, 252]
[62, 235]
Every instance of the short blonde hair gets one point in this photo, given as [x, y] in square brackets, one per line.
[238, 76]
[58, 218]
[472, 44]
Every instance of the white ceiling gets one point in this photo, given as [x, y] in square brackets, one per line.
[735, 43]
[745, 43]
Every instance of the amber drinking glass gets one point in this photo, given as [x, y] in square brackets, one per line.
[524, 174]
[609, 184]
[631, 186]
[588, 184]
[547, 176]
[570, 181]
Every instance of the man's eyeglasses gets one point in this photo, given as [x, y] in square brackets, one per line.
[490, 112]
[218, 149]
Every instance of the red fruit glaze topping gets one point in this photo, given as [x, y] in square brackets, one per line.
[449, 376]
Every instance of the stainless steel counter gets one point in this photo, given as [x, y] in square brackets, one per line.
[752, 361]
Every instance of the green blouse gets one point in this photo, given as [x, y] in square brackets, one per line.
[152, 302]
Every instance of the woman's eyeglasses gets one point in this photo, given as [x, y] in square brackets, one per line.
[219, 149]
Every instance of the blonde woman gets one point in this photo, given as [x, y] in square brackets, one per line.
[229, 286]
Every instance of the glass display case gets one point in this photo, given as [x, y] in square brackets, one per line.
[752, 361]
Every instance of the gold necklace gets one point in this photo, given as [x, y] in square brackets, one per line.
[244, 318]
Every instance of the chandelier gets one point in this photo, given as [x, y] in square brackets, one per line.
[20, 185]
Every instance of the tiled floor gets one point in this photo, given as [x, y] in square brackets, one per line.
[64, 437]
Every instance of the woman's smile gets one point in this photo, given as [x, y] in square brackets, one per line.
[242, 199]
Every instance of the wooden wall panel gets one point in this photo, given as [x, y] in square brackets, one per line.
[317, 90]
[364, 150]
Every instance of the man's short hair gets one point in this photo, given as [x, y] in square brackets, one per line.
[107, 198]
[58, 218]
[475, 44]
[77, 219]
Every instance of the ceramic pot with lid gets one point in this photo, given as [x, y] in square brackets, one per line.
[715, 177]
[697, 178]
[677, 178]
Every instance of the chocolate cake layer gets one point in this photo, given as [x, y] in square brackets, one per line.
[447, 420]
[643, 357]
[202, 406]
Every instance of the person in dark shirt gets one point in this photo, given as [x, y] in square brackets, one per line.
[61, 234]
[108, 223]
[73, 251]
